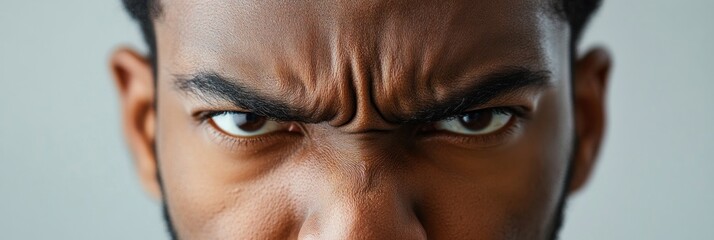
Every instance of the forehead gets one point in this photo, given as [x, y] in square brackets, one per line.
[393, 48]
[473, 26]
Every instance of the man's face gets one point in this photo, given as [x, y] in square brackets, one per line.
[362, 119]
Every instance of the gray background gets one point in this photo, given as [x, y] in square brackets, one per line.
[65, 173]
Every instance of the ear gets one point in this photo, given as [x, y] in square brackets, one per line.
[589, 86]
[134, 80]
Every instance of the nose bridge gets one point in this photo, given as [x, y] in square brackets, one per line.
[363, 196]
[365, 162]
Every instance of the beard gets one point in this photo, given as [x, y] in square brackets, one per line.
[167, 219]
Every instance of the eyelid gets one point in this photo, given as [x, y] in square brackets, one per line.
[226, 123]
[517, 111]
[205, 115]
[476, 141]
[519, 116]
[234, 143]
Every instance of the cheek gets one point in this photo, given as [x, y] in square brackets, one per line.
[540, 179]
[212, 192]
[511, 188]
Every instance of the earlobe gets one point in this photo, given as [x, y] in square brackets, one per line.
[590, 86]
[133, 78]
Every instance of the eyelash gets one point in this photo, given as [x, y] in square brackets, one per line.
[518, 116]
[428, 131]
[485, 140]
[230, 142]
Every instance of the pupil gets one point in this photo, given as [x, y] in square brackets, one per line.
[249, 122]
[477, 120]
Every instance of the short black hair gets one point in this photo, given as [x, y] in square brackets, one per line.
[576, 12]
[144, 12]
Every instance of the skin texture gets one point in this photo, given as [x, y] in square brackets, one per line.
[357, 168]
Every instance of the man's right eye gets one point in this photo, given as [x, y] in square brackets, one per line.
[243, 124]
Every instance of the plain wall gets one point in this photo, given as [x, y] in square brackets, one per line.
[65, 172]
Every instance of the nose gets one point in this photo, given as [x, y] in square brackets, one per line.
[362, 196]
[372, 216]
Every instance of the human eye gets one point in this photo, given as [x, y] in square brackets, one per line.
[478, 122]
[487, 127]
[243, 124]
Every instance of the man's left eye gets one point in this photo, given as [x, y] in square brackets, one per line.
[243, 124]
[479, 122]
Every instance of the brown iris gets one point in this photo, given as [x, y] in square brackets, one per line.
[476, 120]
[249, 122]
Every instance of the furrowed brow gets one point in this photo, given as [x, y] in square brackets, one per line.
[496, 84]
[211, 88]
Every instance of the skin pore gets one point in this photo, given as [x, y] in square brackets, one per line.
[362, 119]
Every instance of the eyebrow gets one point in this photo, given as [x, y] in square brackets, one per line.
[504, 81]
[211, 87]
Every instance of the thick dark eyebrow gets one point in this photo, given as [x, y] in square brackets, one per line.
[212, 87]
[499, 83]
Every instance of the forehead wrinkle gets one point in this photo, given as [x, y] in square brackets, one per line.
[402, 56]
[332, 89]
[353, 53]
[419, 62]
[306, 66]
[413, 69]
[337, 76]
[411, 45]
[289, 67]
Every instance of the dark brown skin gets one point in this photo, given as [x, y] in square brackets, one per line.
[359, 70]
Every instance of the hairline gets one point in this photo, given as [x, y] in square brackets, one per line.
[559, 9]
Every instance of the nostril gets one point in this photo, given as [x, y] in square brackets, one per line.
[420, 221]
[308, 230]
